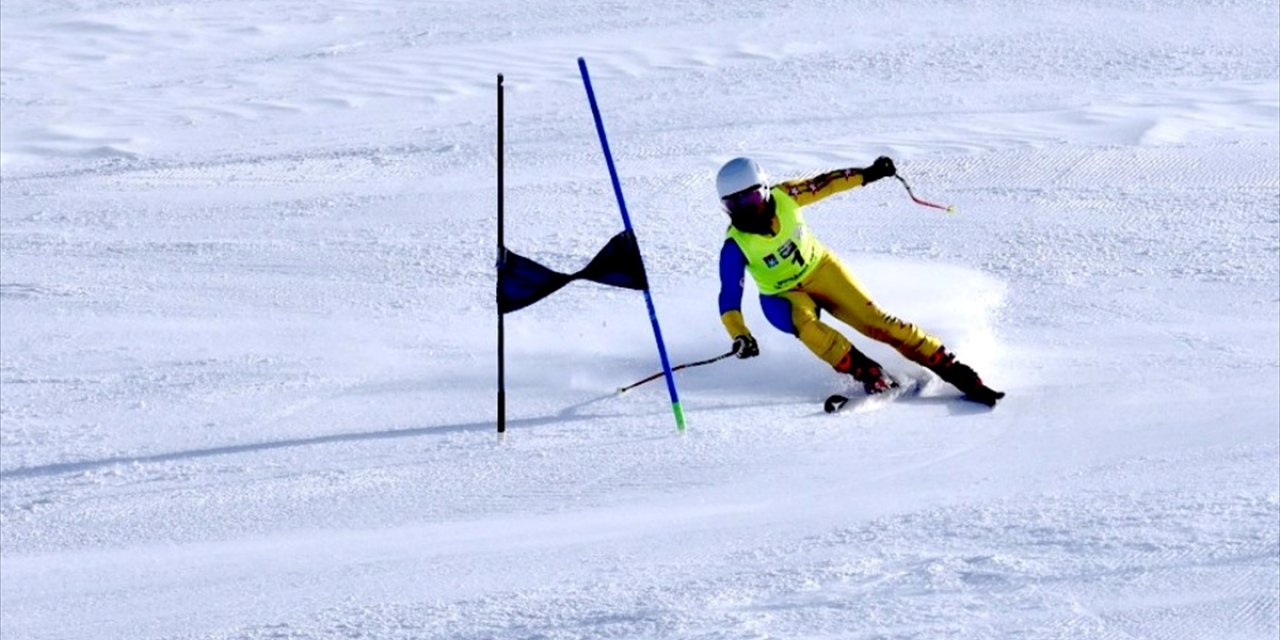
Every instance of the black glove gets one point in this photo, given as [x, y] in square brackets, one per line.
[744, 346]
[881, 168]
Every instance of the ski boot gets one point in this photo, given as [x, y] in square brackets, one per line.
[962, 377]
[866, 371]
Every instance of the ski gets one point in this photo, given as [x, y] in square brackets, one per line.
[859, 402]
[837, 403]
[985, 396]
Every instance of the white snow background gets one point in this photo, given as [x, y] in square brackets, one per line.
[248, 347]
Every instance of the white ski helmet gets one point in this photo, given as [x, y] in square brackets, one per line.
[739, 174]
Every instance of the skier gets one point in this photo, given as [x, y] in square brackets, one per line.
[798, 278]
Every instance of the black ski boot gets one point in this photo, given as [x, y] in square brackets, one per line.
[962, 377]
[866, 371]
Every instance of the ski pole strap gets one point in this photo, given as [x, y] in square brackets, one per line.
[926, 203]
[676, 368]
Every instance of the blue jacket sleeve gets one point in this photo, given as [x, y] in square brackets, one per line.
[733, 267]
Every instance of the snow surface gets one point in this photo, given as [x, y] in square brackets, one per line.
[248, 354]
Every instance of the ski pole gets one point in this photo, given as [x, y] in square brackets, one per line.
[947, 208]
[677, 368]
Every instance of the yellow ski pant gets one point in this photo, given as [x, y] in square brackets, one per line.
[833, 289]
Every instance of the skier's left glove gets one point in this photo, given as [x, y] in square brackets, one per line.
[881, 168]
[744, 346]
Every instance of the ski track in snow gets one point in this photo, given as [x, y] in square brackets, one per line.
[247, 353]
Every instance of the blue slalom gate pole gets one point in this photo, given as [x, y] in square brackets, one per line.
[626, 221]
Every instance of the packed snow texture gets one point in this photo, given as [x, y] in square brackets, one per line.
[248, 353]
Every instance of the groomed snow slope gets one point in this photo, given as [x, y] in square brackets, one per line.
[247, 351]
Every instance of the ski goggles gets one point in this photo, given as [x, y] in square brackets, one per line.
[746, 200]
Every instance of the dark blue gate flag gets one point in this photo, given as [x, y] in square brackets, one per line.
[522, 282]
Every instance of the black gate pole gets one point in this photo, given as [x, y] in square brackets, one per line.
[502, 258]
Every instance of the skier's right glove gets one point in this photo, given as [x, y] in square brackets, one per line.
[744, 346]
[881, 168]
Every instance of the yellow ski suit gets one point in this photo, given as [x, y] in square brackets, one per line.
[798, 278]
